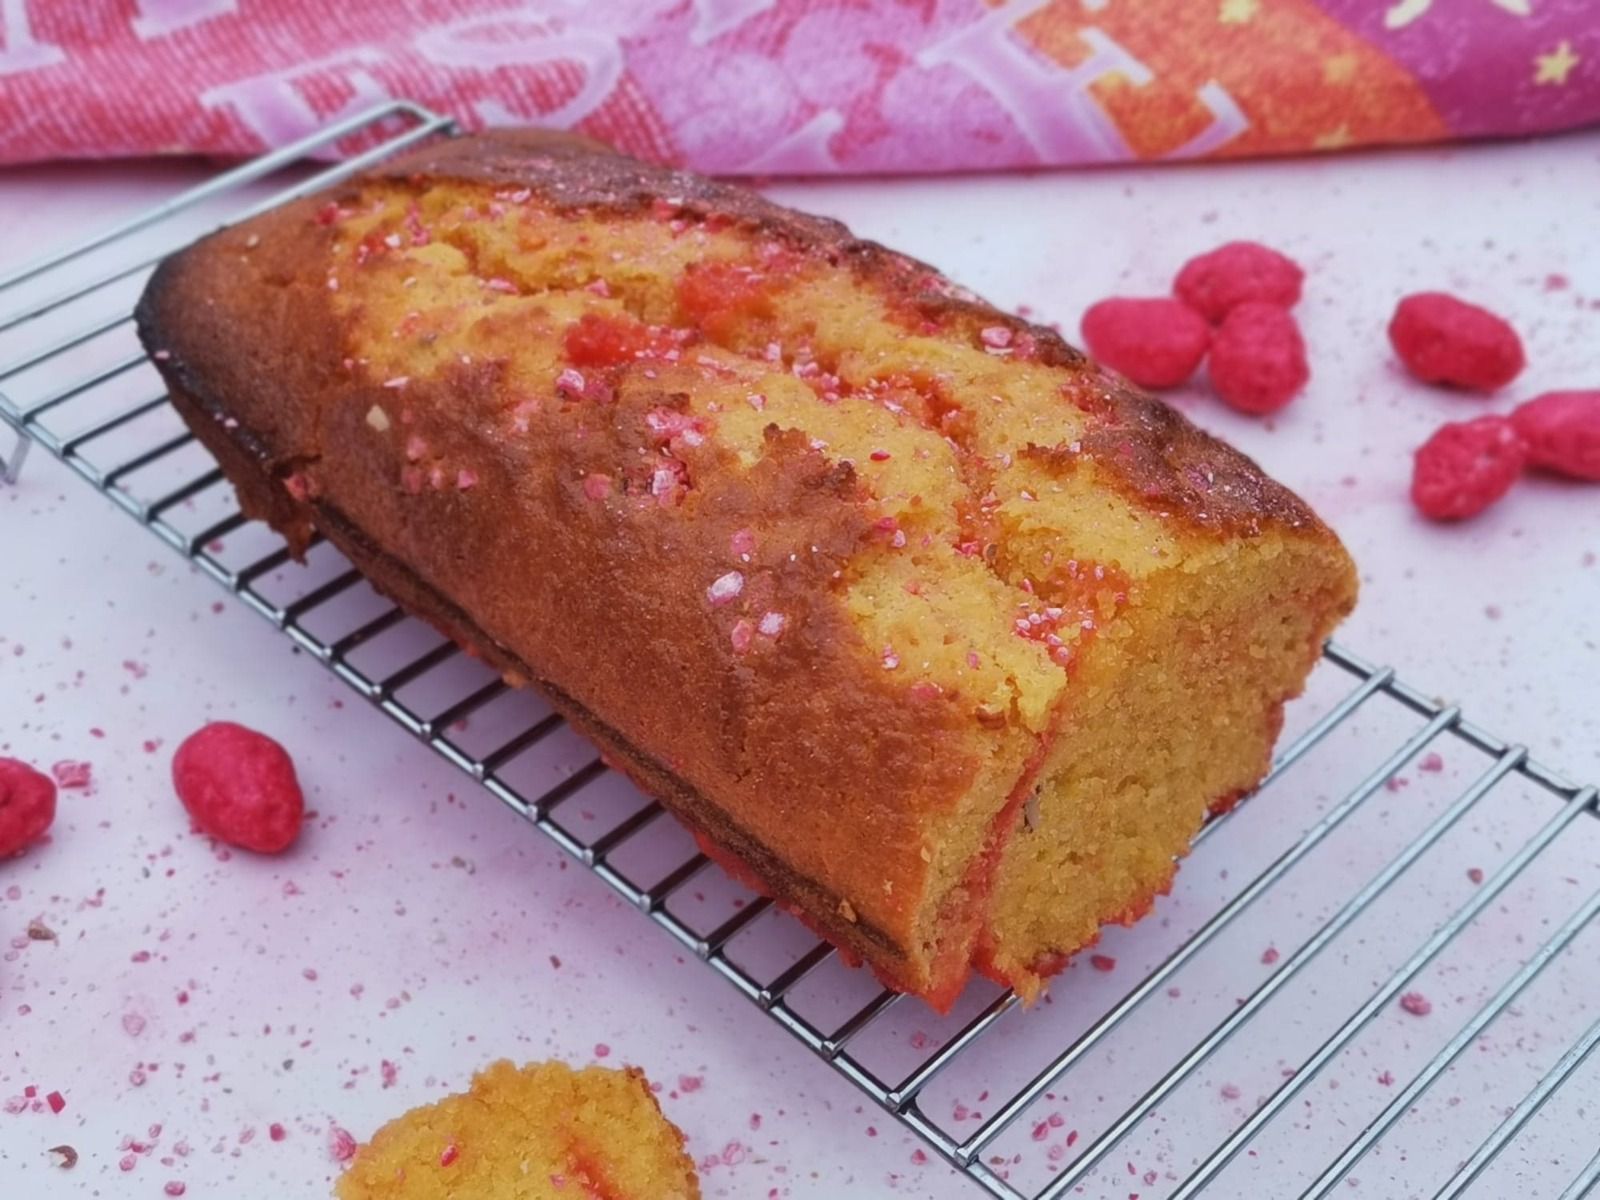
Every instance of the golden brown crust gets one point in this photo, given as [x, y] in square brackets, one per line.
[817, 770]
[1160, 458]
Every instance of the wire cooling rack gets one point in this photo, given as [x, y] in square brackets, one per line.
[73, 380]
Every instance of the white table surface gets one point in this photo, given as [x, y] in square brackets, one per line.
[421, 924]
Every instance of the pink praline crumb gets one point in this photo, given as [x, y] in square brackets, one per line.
[71, 774]
[742, 635]
[725, 588]
[340, 1144]
[1416, 1004]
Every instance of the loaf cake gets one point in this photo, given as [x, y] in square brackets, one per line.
[540, 1132]
[925, 625]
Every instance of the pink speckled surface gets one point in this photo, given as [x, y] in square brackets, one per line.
[419, 930]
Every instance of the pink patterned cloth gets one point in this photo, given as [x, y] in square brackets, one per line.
[805, 86]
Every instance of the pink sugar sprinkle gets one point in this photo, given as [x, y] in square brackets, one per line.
[996, 337]
[1416, 1004]
[1041, 1131]
[973, 660]
[416, 448]
[742, 543]
[1102, 962]
[132, 1024]
[1430, 761]
[690, 1083]
[127, 1162]
[1269, 955]
[891, 660]
[55, 1101]
[466, 478]
[71, 774]
[1230, 1091]
[175, 1187]
[601, 1050]
[449, 1154]
[276, 1132]
[340, 1144]
[879, 456]
[771, 624]
[309, 973]
[742, 635]
[757, 401]
[724, 589]
[733, 1154]
[596, 486]
[919, 1156]
[665, 481]
[570, 380]
[501, 285]
[1475, 874]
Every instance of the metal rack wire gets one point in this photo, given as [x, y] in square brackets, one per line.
[72, 380]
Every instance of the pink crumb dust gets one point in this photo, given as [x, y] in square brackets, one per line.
[1475, 874]
[1416, 1004]
[175, 1187]
[1270, 955]
[1430, 762]
[601, 1050]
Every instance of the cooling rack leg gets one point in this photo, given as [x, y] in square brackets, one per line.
[11, 467]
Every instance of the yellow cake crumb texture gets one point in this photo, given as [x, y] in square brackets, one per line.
[538, 1132]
